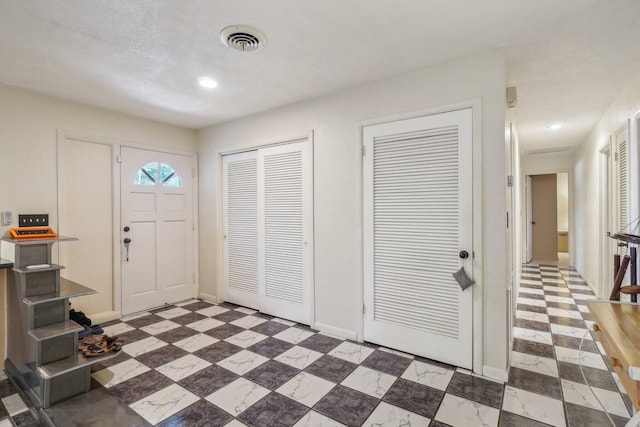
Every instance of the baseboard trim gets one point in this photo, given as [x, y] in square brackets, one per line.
[208, 297]
[105, 316]
[496, 374]
[338, 332]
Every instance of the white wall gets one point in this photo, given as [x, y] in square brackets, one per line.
[585, 180]
[28, 134]
[335, 120]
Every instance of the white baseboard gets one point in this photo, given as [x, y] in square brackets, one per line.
[105, 316]
[208, 297]
[338, 332]
[496, 374]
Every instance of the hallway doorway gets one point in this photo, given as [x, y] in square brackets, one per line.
[547, 222]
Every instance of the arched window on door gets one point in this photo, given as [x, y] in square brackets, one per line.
[155, 172]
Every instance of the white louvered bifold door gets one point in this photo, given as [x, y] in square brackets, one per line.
[417, 218]
[240, 210]
[623, 180]
[285, 230]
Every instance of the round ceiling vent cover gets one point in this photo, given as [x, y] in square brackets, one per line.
[244, 39]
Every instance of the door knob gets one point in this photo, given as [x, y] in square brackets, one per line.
[127, 241]
[126, 229]
[463, 254]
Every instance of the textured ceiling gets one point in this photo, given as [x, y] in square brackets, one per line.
[568, 58]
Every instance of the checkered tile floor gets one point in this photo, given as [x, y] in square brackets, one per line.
[198, 364]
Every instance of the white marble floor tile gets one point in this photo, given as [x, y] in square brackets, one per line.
[570, 331]
[531, 281]
[577, 296]
[183, 367]
[386, 415]
[237, 396]
[354, 353]
[134, 316]
[592, 360]
[117, 329]
[160, 327]
[565, 300]
[578, 287]
[535, 406]
[396, 352]
[145, 345]
[246, 310]
[293, 335]
[248, 322]
[246, 338]
[120, 372]
[187, 302]
[6, 423]
[550, 280]
[315, 419]
[616, 378]
[532, 335]
[369, 381]
[457, 411]
[531, 315]
[583, 308]
[559, 312]
[242, 362]
[298, 357]
[306, 388]
[283, 321]
[530, 291]
[214, 310]
[205, 324]
[14, 404]
[196, 342]
[540, 365]
[235, 423]
[583, 395]
[531, 301]
[164, 403]
[557, 289]
[429, 375]
[173, 312]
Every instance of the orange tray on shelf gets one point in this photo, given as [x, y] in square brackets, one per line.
[29, 233]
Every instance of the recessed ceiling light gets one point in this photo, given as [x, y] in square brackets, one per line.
[555, 126]
[207, 82]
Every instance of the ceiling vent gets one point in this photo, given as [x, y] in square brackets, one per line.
[552, 150]
[244, 39]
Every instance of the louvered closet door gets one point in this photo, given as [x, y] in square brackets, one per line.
[417, 218]
[285, 231]
[240, 210]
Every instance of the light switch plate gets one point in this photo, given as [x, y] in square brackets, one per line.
[7, 218]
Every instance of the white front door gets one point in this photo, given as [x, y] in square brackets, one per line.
[268, 227]
[157, 229]
[417, 228]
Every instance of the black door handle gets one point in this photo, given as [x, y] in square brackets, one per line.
[127, 241]
[463, 254]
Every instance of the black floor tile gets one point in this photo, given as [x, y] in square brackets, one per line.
[320, 343]
[177, 334]
[141, 322]
[531, 324]
[140, 386]
[272, 374]
[270, 347]
[217, 351]
[229, 316]
[574, 343]
[414, 397]
[200, 414]
[580, 416]
[386, 362]
[562, 305]
[269, 328]
[273, 410]
[224, 331]
[567, 321]
[507, 419]
[533, 308]
[200, 305]
[160, 356]
[535, 382]
[331, 368]
[532, 347]
[208, 380]
[476, 389]
[188, 318]
[595, 377]
[133, 336]
[350, 407]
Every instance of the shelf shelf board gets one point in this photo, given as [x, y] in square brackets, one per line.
[68, 289]
[24, 270]
[57, 329]
[72, 363]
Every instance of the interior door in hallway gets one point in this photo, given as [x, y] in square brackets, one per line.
[157, 235]
[417, 182]
[544, 200]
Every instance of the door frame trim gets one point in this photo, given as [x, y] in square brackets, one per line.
[116, 144]
[477, 222]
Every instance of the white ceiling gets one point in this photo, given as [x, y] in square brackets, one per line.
[568, 58]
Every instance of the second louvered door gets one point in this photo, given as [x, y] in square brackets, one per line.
[267, 204]
[417, 220]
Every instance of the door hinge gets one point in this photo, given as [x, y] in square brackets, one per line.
[364, 151]
[510, 181]
[194, 277]
[363, 310]
[118, 159]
